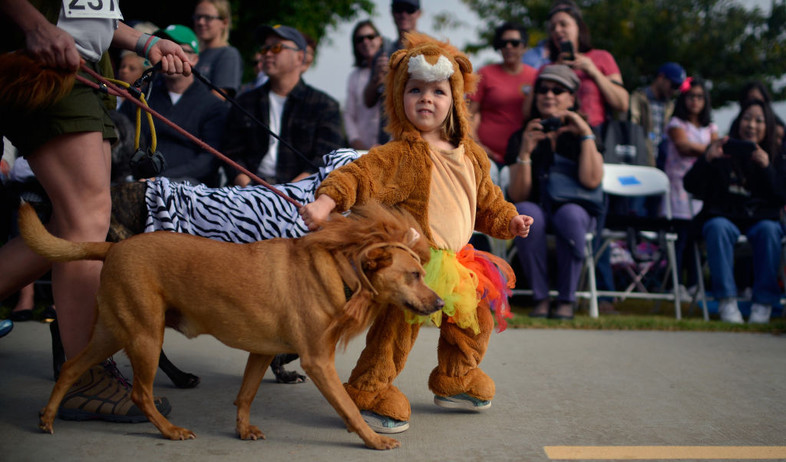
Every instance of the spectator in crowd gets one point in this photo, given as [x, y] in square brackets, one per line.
[689, 132]
[495, 107]
[71, 161]
[530, 155]
[405, 15]
[311, 52]
[744, 191]
[537, 56]
[601, 93]
[260, 76]
[220, 62]
[652, 106]
[130, 69]
[190, 105]
[361, 122]
[755, 89]
[602, 89]
[307, 119]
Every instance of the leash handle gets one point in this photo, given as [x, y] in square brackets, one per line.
[117, 91]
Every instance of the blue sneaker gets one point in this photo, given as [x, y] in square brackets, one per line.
[6, 326]
[384, 424]
[462, 401]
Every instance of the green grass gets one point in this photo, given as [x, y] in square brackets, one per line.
[640, 315]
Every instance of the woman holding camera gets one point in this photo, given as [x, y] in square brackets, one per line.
[743, 186]
[555, 128]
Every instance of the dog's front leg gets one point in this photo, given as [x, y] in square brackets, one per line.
[255, 370]
[322, 370]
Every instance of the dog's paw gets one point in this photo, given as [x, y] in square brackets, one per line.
[383, 443]
[180, 434]
[250, 432]
[45, 423]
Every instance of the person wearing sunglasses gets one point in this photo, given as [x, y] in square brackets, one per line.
[220, 62]
[405, 15]
[495, 107]
[307, 119]
[556, 127]
[361, 122]
[652, 106]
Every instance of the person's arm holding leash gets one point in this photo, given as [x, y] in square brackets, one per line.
[45, 41]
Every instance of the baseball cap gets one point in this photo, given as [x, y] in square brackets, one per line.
[180, 34]
[285, 32]
[561, 74]
[674, 72]
[415, 3]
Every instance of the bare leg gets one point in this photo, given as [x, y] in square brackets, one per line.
[74, 169]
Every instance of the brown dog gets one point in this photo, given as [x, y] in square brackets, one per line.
[268, 297]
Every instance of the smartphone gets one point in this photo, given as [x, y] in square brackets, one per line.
[567, 47]
[740, 150]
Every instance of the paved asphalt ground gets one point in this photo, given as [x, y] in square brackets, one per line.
[555, 389]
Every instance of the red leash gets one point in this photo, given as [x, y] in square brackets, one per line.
[119, 91]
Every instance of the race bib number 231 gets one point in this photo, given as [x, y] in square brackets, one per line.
[107, 9]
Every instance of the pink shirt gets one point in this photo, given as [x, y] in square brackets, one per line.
[501, 96]
[678, 165]
[589, 95]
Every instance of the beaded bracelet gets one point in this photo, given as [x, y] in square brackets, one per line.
[587, 137]
[523, 161]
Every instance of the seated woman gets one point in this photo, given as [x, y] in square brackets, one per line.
[744, 191]
[531, 154]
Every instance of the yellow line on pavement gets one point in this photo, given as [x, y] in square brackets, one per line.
[664, 452]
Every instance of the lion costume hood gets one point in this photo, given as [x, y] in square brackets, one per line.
[431, 60]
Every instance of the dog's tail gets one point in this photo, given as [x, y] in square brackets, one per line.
[45, 244]
[25, 85]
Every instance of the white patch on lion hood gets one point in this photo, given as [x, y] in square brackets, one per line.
[420, 69]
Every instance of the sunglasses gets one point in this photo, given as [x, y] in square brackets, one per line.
[276, 49]
[404, 8]
[205, 17]
[361, 38]
[556, 90]
[504, 43]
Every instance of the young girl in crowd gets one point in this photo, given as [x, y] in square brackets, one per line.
[433, 170]
[689, 132]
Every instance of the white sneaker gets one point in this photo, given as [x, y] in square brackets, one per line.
[729, 311]
[760, 314]
[687, 293]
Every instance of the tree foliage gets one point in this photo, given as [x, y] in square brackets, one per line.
[719, 40]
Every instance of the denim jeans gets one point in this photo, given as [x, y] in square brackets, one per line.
[720, 236]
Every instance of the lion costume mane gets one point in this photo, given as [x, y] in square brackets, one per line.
[398, 174]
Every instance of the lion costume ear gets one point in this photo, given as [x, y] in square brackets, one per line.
[396, 58]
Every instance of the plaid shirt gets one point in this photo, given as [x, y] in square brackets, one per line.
[311, 123]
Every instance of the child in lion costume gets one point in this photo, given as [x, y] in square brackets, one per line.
[434, 170]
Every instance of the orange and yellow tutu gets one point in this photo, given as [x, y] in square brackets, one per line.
[464, 280]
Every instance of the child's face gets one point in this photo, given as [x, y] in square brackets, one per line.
[427, 104]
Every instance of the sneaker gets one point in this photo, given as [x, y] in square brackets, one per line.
[462, 401]
[102, 393]
[729, 312]
[384, 424]
[760, 314]
[6, 326]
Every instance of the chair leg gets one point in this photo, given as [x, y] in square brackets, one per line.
[593, 285]
[700, 281]
[675, 284]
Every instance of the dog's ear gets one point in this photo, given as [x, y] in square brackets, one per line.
[377, 259]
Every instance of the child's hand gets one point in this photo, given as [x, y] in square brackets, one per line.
[316, 212]
[520, 224]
